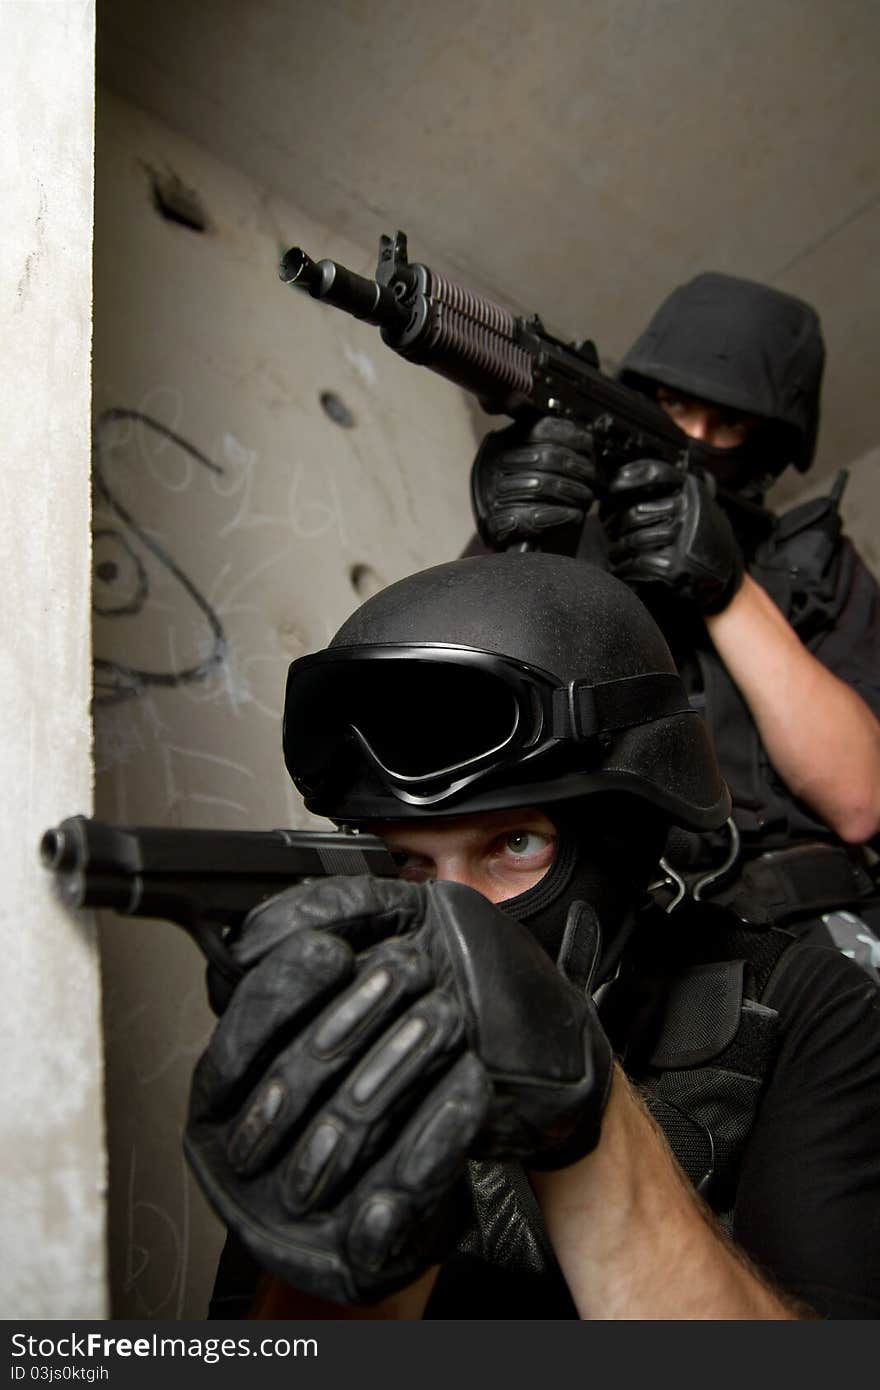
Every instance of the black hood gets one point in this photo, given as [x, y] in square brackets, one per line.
[740, 344]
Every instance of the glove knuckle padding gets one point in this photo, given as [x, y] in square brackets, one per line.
[678, 537]
[661, 517]
[649, 476]
[507, 524]
[556, 459]
[546, 486]
[527, 482]
[510, 487]
[389, 976]
[427, 1158]
[339, 1165]
[404, 1213]
[449, 1032]
[344, 1137]
[296, 950]
[654, 536]
[360, 1043]
[552, 515]
[432, 1145]
[273, 998]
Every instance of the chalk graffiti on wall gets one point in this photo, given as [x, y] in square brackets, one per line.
[204, 556]
[200, 597]
[138, 459]
[121, 581]
[157, 1250]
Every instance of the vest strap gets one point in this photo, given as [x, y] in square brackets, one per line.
[783, 884]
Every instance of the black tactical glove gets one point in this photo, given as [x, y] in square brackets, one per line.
[666, 528]
[384, 1032]
[534, 485]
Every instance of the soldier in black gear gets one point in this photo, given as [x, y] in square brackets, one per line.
[423, 1096]
[774, 621]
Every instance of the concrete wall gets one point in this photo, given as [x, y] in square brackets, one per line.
[51, 1129]
[577, 158]
[860, 507]
[236, 525]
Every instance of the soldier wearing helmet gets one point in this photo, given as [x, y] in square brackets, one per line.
[773, 621]
[423, 1097]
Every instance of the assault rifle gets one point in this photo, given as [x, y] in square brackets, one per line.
[511, 364]
[205, 881]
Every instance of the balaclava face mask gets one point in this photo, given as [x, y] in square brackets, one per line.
[742, 469]
[745, 345]
[607, 852]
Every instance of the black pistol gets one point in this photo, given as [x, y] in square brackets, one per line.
[205, 881]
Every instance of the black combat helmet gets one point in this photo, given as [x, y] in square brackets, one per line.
[493, 682]
[740, 344]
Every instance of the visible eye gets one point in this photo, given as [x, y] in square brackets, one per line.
[527, 844]
[671, 403]
[518, 859]
[735, 427]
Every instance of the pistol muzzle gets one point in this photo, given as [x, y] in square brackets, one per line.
[57, 850]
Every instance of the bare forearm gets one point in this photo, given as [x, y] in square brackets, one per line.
[820, 735]
[633, 1239]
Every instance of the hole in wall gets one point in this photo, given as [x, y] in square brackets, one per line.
[119, 580]
[174, 201]
[334, 408]
[365, 580]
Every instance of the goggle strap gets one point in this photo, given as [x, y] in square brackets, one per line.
[583, 711]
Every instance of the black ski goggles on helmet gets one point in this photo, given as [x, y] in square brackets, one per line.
[431, 719]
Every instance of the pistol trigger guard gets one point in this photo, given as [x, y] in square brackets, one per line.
[213, 947]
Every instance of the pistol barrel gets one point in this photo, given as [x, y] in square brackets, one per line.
[196, 875]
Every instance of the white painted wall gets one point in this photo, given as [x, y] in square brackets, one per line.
[257, 536]
[51, 1126]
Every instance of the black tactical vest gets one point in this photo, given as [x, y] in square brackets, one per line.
[808, 572]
